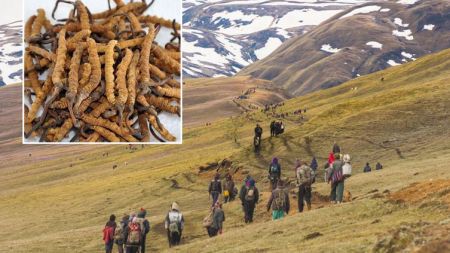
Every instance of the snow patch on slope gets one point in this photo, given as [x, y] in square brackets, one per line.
[365, 9]
[269, 47]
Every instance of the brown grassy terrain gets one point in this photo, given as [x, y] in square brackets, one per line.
[60, 203]
[207, 100]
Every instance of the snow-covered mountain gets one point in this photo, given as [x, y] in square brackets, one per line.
[220, 37]
[11, 53]
[357, 42]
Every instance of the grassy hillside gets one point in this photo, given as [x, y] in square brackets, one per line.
[61, 204]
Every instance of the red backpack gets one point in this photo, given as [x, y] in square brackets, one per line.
[108, 234]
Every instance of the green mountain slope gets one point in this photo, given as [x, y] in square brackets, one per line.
[61, 204]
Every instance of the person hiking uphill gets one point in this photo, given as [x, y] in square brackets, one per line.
[108, 233]
[145, 227]
[314, 165]
[274, 173]
[304, 181]
[337, 181]
[218, 217]
[279, 202]
[258, 131]
[174, 225]
[249, 197]
[215, 188]
[228, 189]
[119, 233]
[133, 236]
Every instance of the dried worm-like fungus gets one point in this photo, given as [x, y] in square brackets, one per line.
[107, 77]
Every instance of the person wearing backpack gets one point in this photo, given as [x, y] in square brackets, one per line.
[145, 227]
[337, 181]
[133, 235]
[218, 217]
[249, 197]
[174, 225]
[215, 188]
[272, 128]
[119, 233]
[274, 173]
[228, 192]
[304, 180]
[108, 233]
[279, 202]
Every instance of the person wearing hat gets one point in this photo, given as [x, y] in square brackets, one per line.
[174, 225]
[279, 202]
[218, 218]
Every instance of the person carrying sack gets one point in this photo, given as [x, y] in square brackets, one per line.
[174, 224]
[337, 181]
[218, 217]
[304, 180]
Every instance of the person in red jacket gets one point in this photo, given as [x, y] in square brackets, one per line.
[108, 233]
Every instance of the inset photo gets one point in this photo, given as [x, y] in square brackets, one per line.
[102, 72]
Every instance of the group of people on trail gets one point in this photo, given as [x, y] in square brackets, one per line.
[130, 233]
[367, 168]
[276, 128]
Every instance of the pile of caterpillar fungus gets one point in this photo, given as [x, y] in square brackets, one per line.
[104, 76]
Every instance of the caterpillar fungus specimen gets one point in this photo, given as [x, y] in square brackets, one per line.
[102, 76]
